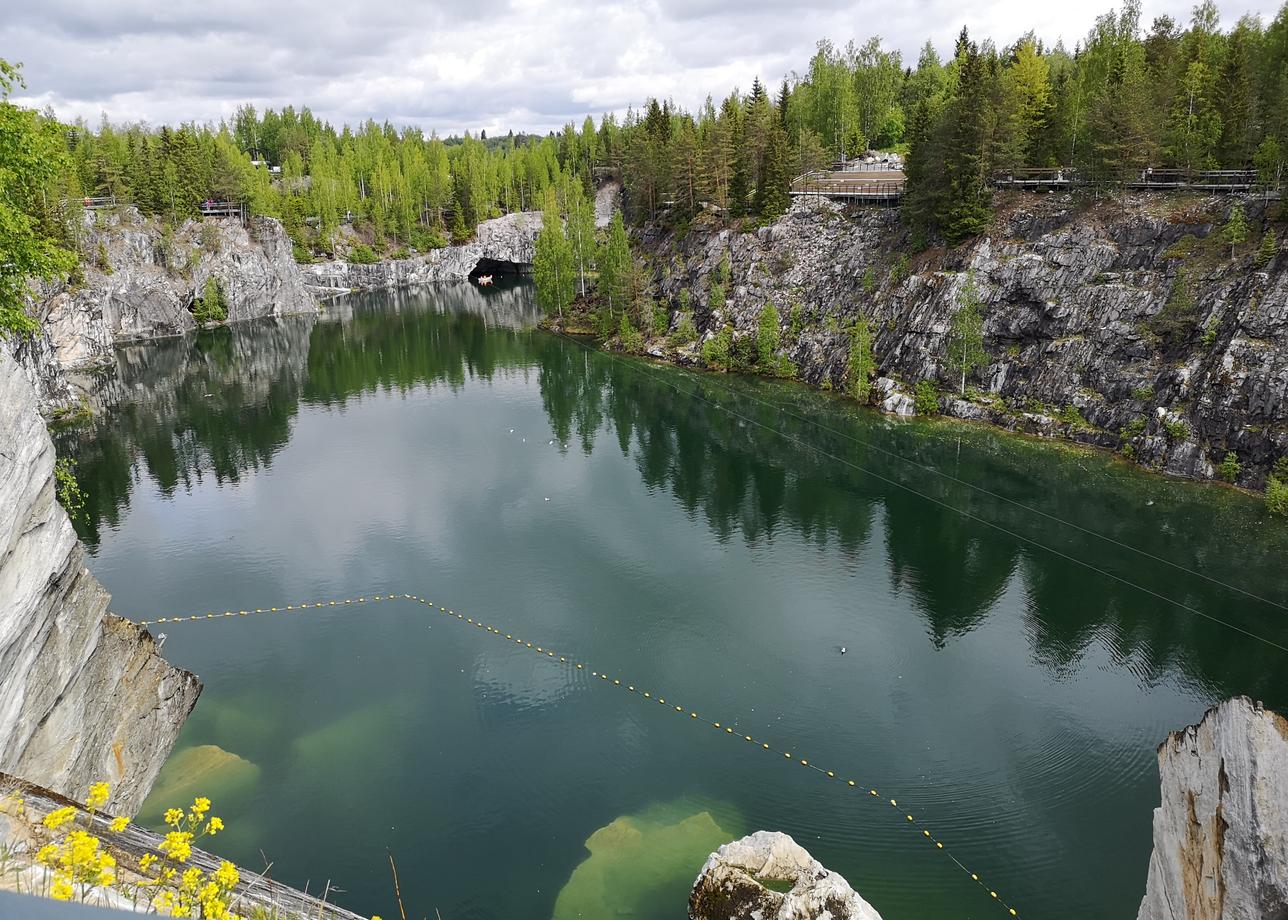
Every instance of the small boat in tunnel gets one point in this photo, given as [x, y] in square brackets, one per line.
[489, 271]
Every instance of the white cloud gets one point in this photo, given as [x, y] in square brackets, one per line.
[467, 64]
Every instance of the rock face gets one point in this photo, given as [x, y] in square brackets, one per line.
[511, 239]
[1221, 833]
[84, 695]
[729, 886]
[1123, 324]
[139, 283]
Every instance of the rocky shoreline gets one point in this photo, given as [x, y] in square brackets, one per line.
[1123, 325]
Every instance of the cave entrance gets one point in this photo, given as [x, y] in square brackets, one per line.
[498, 268]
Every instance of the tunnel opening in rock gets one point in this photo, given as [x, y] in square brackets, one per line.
[498, 268]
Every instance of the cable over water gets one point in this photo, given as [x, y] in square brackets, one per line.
[643, 368]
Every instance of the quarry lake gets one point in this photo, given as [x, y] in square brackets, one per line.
[1013, 655]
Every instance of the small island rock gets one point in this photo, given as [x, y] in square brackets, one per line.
[731, 884]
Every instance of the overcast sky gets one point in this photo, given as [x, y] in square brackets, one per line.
[451, 65]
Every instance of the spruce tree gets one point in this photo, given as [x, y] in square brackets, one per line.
[773, 192]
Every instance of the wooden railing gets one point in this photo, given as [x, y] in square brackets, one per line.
[1207, 180]
[867, 186]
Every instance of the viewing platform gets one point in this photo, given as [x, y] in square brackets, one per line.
[869, 186]
[210, 208]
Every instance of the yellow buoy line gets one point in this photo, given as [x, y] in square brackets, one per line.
[610, 681]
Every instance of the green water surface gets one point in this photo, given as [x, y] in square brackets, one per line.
[1008, 671]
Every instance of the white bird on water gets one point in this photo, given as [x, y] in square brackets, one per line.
[842, 649]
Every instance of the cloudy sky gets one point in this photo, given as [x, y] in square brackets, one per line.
[451, 65]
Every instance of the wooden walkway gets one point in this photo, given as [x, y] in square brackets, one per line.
[211, 208]
[875, 187]
[885, 187]
[1211, 180]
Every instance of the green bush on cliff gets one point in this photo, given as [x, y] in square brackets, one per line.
[631, 338]
[862, 364]
[685, 332]
[769, 336]
[362, 254]
[212, 305]
[1277, 496]
[1229, 468]
[925, 399]
[1266, 251]
[67, 487]
[716, 351]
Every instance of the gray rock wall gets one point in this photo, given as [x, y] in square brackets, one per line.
[84, 695]
[511, 238]
[1221, 832]
[139, 283]
[1071, 295]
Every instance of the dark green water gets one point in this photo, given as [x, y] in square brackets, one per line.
[707, 538]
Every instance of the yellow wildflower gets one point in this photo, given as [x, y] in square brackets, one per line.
[164, 902]
[99, 793]
[191, 878]
[146, 861]
[177, 845]
[62, 890]
[227, 874]
[56, 819]
[215, 826]
[46, 854]
[119, 824]
[201, 806]
[173, 816]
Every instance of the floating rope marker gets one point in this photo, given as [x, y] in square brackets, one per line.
[616, 682]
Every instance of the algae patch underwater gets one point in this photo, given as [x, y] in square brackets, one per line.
[641, 860]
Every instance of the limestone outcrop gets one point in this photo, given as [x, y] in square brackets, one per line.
[84, 695]
[1221, 832]
[511, 239]
[730, 884]
[1125, 324]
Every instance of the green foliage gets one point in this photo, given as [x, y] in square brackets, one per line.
[966, 332]
[722, 270]
[795, 323]
[769, 336]
[685, 332]
[659, 319]
[1176, 321]
[1143, 393]
[1236, 228]
[925, 398]
[553, 261]
[615, 267]
[717, 351]
[899, 268]
[631, 338]
[1071, 416]
[402, 252]
[212, 305]
[67, 488]
[34, 240]
[1266, 251]
[101, 259]
[1210, 332]
[861, 362]
[716, 301]
[1177, 429]
[426, 240]
[1277, 495]
[869, 281]
[362, 254]
[1230, 467]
